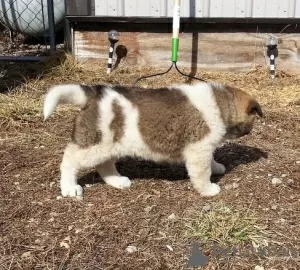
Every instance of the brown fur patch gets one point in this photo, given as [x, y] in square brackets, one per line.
[85, 131]
[93, 91]
[224, 98]
[167, 120]
[118, 123]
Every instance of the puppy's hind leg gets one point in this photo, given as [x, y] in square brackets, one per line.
[69, 168]
[217, 168]
[108, 172]
[198, 165]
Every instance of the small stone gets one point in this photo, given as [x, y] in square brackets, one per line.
[16, 183]
[206, 208]
[169, 248]
[235, 185]
[290, 181]
[70, 227]
[282, 220]
[68, 238]
[52, 184]
[258, 267]
[298, 161]
[156, 192]
[283, 175]
[148, 208]
[37, 241]
[276, 181]
[64, 244]
[58, 197]
[269, 174]
[274, 207]
[26, 254]
[228, 187]
[172, 217]
[131, 249]
[51, 219]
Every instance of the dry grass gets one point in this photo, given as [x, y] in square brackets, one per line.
[37, 231]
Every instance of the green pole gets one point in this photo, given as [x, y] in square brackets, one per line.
[175, 45]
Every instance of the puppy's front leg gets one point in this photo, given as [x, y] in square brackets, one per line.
[199, 169]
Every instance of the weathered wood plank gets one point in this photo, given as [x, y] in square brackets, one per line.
[210, 51]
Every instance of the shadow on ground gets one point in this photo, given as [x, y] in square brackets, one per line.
[231, 155]
[14, 74]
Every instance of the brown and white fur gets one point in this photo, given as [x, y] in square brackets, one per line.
[183, 123]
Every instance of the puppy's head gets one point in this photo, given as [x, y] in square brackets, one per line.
[243, 109]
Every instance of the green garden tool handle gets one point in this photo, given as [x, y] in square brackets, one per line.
[176, 25]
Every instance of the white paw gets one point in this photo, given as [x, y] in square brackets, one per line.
[118, 181]
[218, 168]
[210, 190]
[71, 190]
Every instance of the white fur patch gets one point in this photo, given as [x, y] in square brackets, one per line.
[199, 155]
[63, 94]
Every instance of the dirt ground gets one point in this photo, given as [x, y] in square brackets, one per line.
[157, 221]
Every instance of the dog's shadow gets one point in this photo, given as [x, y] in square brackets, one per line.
[230, 155]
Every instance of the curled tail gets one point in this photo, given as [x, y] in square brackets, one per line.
[64, 94]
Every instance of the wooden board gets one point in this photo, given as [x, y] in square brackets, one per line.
[206, 51]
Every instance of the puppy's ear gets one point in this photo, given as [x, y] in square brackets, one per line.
[254, 108]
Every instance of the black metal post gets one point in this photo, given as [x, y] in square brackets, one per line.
[113, 37]
[68, 35]
[272, 53]
[50, 9]
[110, 56]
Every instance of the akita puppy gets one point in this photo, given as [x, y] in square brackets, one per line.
[183, 123]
